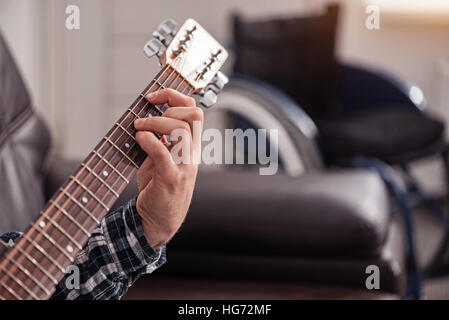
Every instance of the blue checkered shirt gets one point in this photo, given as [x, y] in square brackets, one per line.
[114, 257]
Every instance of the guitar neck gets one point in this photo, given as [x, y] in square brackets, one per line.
[38, 261]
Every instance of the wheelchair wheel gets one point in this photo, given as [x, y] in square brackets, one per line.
[262, 106]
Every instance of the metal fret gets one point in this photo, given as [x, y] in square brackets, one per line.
[42, 250]
[157, 108]
[135, 114]
[66, 214]
[90, 193]
[113, 168]
[20, 283]
[160, 84]
[27, 273]
[53, 242]
[126, 131]
[100, 178]
[64, 232]
[11, 291]
[164, 107]
[121, 151]
[20, 271]
[80, 205]
[33, 261]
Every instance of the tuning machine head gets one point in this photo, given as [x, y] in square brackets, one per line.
[157, 45]
[168, 27]
[219, 82]
[154, 47]
[209, 95]
[184, 42]
[208, 98]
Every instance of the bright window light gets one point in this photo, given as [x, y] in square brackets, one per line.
[412, 6]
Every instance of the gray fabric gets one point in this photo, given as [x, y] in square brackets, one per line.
[24, 142]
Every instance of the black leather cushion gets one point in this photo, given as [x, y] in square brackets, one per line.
[383, 132]
[24, 142]
[341, 214]
[270, 266]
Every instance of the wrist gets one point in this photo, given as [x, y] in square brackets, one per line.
[154, 236]
[154, 233]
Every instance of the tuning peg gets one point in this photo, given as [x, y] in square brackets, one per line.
[157, 35]
[167, 27]
[165, 30]
[153, 47]
[208, 98]
[219, 81]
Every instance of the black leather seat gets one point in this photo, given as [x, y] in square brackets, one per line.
[317, 228]
[385, 133]
[334, 215]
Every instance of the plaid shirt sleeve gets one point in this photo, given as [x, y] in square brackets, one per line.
[114, 257]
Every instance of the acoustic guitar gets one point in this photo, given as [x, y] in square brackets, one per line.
[190, 60]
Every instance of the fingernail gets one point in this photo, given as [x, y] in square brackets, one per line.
[138, 122]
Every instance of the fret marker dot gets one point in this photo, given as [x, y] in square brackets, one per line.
[69, 248]
[105, 173]
[42, 224]
[84, 199]
[127, 145]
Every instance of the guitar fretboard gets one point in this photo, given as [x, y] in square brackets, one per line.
[38, 261]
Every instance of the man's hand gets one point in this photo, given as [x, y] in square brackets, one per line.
[165, 188]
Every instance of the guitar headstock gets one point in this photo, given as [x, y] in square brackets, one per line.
[193, 53]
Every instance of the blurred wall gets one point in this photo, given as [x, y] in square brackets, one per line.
[82, 80]
[34, 34]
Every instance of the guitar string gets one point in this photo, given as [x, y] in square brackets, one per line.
[112, 147]
[125, 118]
[68, 186]
[57, 213]
[115, 148]
[47, 213]
[132, 142]
[34, 279]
